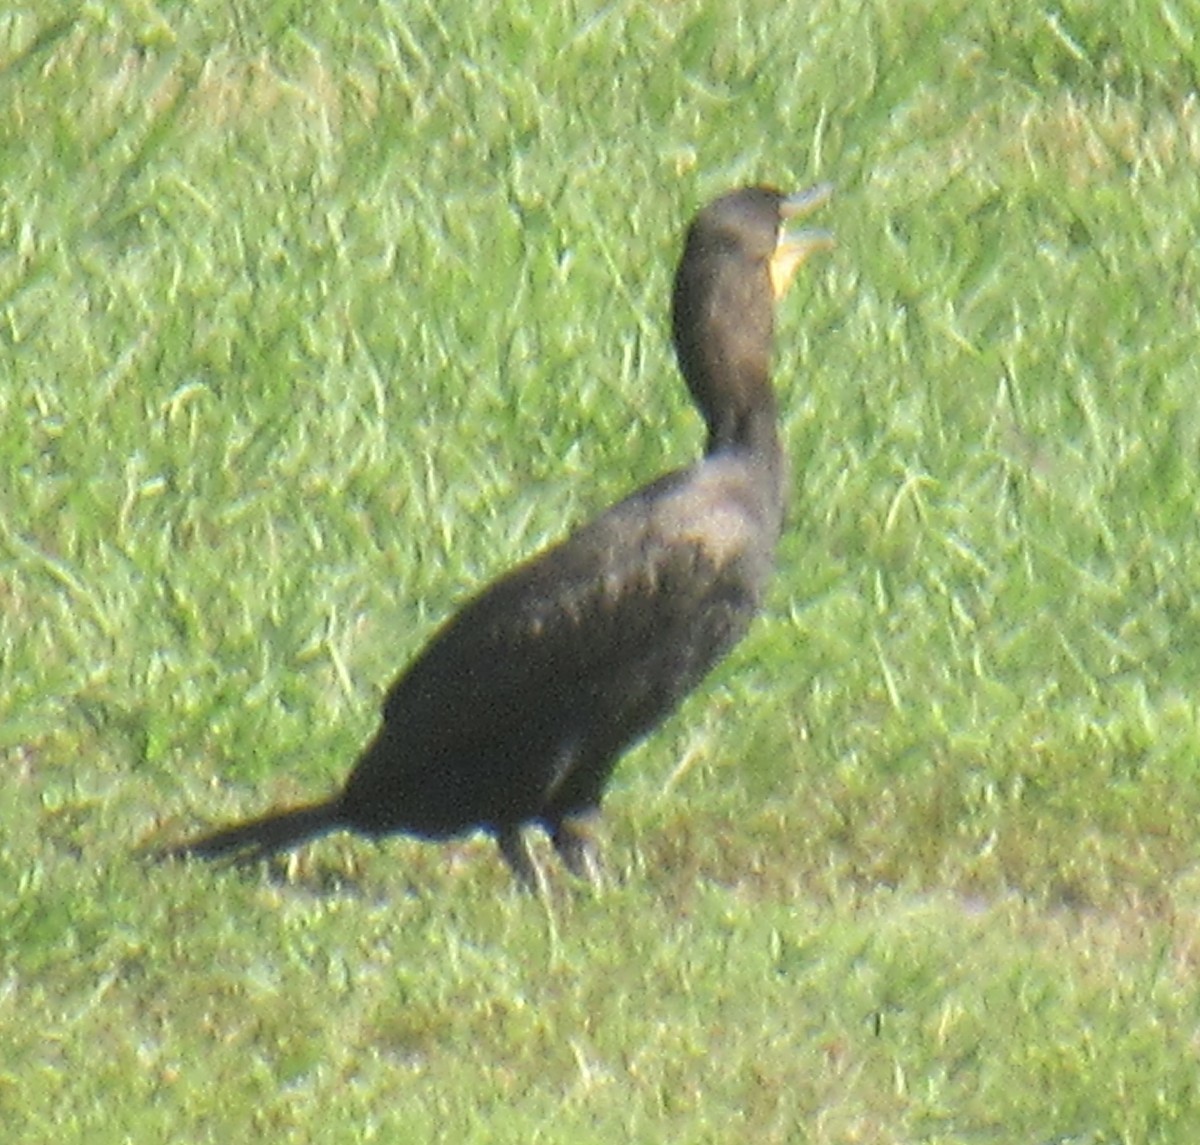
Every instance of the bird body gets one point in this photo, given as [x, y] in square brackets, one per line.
[519, 707]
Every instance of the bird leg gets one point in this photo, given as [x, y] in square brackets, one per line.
[515, 849]
[575, 840]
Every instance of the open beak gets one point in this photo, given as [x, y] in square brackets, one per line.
[794, 247]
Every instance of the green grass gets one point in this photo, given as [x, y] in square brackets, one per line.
[312, 322]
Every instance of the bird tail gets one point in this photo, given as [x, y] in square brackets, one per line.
[262, 837]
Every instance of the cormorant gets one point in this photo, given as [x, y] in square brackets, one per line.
[518, 708]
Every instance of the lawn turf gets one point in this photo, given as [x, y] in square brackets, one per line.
[311, 322]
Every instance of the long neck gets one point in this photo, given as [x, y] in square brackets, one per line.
[749, 426]
[739, 408]
[723, 330]
[723, 321]
[751, 433]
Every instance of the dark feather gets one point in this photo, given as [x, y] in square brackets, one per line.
[518, 709]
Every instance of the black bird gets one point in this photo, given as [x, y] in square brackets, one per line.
[519, 707]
